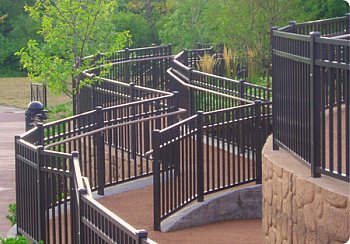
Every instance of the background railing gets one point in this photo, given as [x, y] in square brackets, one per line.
[311, 94]
[38, 92]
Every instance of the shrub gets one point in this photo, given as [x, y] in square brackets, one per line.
[14, 240]
[207, 63]
[11, 216]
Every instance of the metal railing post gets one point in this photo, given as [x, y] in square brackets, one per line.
[41, 195]
[141, 235]
[156, 179]
[293, 24]
[347, 20]
[17, 181]
[200, 159]
[190, 93]
[40, 128]
[155, 77]
[258, 140]
[45, 95]
[241, 89]
[170, 49]
[94, 95]
[133, 127]
[100, 152]
[185, 62]
[315, 110]
[127, 67]
[274, 80]
[176, 148]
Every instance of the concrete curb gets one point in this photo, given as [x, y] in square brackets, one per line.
[12, 231]
[127, 186]
[244, 203]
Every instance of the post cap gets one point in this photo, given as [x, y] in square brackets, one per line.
[315, 33]
[35, 105]
[142, 233]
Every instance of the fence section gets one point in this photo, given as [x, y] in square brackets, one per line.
[115, 140]
[311, 94]
[205, 153]
[38, 92]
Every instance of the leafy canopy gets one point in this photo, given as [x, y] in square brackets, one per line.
[70, 29]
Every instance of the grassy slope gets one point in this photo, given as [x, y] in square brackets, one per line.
[15, 92]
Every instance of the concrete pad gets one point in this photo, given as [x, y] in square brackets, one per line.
[244, 203]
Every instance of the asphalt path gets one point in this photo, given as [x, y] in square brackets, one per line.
[11, 124]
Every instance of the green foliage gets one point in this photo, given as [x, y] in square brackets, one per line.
[137, 26]
[15, 240]
[16, 28]
[70, 29]
[60, 111]
[12, 216]
[321, 9]
[151, 10]
[243, 25]
[183, 27]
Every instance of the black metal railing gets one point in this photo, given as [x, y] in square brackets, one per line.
[38, 92]
[113, 134]
[210, 151]
[205, 153]
[311, 94]
[52, 205]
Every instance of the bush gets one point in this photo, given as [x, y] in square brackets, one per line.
[11, 216]
[14, 240]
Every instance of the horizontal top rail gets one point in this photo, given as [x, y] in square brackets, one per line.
[180, 111]
[228, 109]
[323, 21]
[206, 90]
[332, 41]
[113, 218]
[77, 172]
[132, 60]
[141, 88]
[291, 36]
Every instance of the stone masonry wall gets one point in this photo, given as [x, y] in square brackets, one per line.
[300, 209]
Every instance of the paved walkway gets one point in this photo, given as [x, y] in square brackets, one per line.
[136, 208]
[11, 124]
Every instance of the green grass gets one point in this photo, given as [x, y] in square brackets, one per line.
[15, 92]
[60, 111]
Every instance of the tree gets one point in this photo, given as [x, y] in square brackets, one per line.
[151, 11]
[137, 25]
[183, 27]
[70, 29]
[16, 28]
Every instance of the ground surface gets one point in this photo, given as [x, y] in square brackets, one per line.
[136, 207]
[11, 124]
[15, 92]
